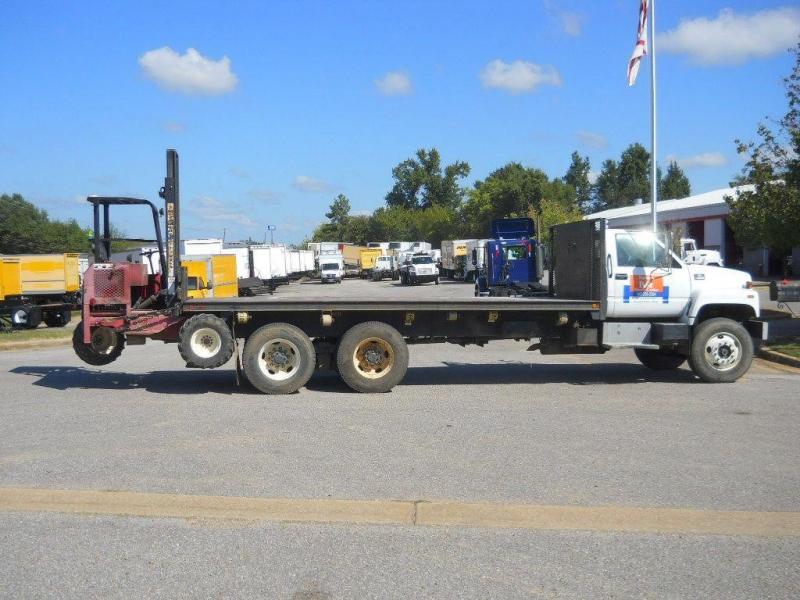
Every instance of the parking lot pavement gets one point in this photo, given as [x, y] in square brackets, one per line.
[494, 424]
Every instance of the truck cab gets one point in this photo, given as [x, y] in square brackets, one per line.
[645, 279]
[419, 268]
[331, 268]
[691, 255]
[511, 261]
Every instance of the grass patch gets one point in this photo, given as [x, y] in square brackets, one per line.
[40, 333]
[790, 347]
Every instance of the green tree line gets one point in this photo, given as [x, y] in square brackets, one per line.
[428, 202]
[26, 229]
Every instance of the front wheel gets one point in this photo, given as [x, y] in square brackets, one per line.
[278, 358]
[722, 351]
[105, 347]
[659, 360]
[372, 357]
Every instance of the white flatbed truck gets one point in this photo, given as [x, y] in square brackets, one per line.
[608, 289]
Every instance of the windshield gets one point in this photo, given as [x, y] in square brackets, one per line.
[516, 252]
[638, 250]
[422, 260]
[330, 266]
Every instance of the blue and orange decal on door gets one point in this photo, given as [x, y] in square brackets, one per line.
[646, 286]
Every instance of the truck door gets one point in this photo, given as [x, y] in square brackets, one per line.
[639, 285]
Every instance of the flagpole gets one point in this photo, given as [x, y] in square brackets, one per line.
[653, 156]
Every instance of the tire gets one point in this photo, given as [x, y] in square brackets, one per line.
[659, 360]
[26, 317]
[105, 348]
[205, 342]
[722, 351]
[278, 359]
[372, 357]
[60, 318]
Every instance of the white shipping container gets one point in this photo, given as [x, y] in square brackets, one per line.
[269, 262]
[294, 261]
[203, 246]
[242, 260]
[306, 261]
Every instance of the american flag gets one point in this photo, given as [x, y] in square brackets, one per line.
[641, 44]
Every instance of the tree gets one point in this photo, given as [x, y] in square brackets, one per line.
[606, 188]
[24, 228]
[622, 183]
[339, 210]
[553, 212]
[634, 174]
[578, 177]
[769, 213]
[675, 184]
[511, 191]
[420, 182]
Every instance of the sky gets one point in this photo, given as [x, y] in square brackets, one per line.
[276, 107]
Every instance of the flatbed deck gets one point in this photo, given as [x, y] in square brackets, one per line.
[272, 304]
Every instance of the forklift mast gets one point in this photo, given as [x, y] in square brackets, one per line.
[171, 195]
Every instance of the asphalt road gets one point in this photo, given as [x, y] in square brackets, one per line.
[495, 424]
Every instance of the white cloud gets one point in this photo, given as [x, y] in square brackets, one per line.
[519, 76]
[395, 83]
[211, 209]
[593, 175]
[571, 22]
[190, 73]
[173, 127]
[592, 139]
[704, 160]
[732, 38]
[264, 196]
[304, 183]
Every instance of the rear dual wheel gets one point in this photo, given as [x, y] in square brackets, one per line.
[372, 357]
[278, 359]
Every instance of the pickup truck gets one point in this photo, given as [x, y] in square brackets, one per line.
[608, 289]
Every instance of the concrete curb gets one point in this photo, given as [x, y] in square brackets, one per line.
[779, 357]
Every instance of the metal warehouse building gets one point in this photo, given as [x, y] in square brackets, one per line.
[702, 217]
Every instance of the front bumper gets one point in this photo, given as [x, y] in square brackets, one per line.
[423, 278]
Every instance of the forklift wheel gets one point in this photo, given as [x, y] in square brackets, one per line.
[105, 347]
[205, 342]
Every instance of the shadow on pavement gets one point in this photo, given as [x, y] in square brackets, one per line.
[456, 374]
[189, 381]
[223, 382]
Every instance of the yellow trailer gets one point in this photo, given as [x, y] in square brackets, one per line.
[367, 258]
[212, 276]
[36, 287]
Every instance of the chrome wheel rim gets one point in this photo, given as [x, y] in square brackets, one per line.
[723, 351]
[279, 359]
[373, 358]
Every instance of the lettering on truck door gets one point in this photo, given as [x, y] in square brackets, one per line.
[639, 285]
